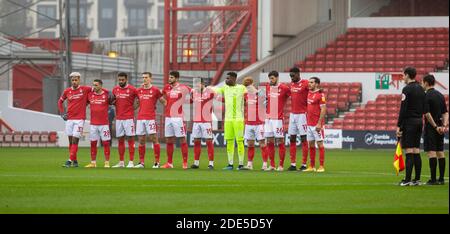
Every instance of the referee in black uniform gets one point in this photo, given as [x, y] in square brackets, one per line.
[436, 114]
[410, 124]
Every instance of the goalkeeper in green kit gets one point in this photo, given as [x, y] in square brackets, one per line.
[234, 118]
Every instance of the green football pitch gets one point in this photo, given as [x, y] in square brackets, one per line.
[359, 181]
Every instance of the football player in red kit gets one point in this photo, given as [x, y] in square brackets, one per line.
[202, 99]
[148, 96]
[175, 94]
[99, 103]
[297, 118]
[77, 97]
[277, 95]
[124, 96]
[315, 119]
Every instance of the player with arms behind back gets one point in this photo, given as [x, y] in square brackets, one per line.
[315, 119]
[277, 95]
[124, 97]
[297, 118]
[77, 97]
[254, 122]
[202, 128]
[148, 96]
[175, 94]
[99, 104]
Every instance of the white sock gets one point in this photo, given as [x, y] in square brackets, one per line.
[249, 163]
[293, 164]
[230, 162]
[196, 162]
[241, 162]
[211, 163]
[94, 162]
[264, 164]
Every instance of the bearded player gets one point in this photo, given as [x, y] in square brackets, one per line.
[124, 99]
[175, 94]
[277, 95]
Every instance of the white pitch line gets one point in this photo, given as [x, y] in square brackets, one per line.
[207, 185]
[162, 179]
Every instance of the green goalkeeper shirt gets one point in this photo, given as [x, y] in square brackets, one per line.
[234, 101]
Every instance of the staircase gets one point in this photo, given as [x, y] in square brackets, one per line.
[223, 44]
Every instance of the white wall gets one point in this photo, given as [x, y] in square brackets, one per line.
[365, 7]
[368, 80]
[290, 17]
[398, 22]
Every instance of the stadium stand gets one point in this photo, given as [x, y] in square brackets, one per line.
[382, 50]
[381, 114]
[28, 139]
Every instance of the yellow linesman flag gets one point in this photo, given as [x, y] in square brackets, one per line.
[399, 164]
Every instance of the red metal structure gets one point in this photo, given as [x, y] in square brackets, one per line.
[228, 42]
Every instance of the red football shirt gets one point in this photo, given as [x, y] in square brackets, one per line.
[175, 96]
[254, 115]
[299, 97]
[99, 104]
[76, 102]
[315, 101]
[203, 102]
[125, 102]
[276, 99]
[148, 99]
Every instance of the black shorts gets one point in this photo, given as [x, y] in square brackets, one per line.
[432, 140]
[412, 132]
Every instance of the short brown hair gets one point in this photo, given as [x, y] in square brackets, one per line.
[247, 81]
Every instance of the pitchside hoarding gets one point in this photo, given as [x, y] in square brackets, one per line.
[373, 140]
[337, 139]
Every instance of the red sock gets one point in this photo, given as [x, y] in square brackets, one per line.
[131, 148]
[184, 152]
[197, 149]
[170, 153]
[293, 151]
[322, 156]
[73, 152]
[106, 150]
[304, 152]
[264, 153]
[93, 150]
[271, 151]
[121, 147]
[70, 152]
[312, 156]
[142, 154]
[251, 153]
[282, 153]
[210, 146]
[157, 151]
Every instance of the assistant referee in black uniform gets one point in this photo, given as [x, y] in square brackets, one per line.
[410, 124]
[436, 124]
